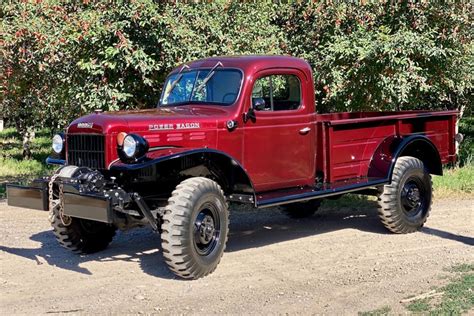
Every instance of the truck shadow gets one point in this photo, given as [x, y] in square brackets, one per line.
[264, 227]
[140, 245]
[258, 228]
[248, 229]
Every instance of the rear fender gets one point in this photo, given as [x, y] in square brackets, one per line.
[418, 146]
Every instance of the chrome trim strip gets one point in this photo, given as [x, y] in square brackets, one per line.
[112, 162]
[160, 148]
[149, 150]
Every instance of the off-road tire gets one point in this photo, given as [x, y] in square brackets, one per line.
[83, 236]
[408, 172]
[183, 248]
[301, 209]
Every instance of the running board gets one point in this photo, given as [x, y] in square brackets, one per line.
[302, 194]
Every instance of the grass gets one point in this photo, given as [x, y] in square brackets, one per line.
[457, 296]
[12, 166]
[460, 179]
[455, 181]
[20, 169]
[377, 312]
[419, 306]
[463, 268]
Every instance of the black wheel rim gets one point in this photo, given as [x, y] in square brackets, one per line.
[413, 197]
[206, 229]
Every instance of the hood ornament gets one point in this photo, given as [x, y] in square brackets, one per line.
[85, 125]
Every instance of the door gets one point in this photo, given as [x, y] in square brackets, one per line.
[279, 141]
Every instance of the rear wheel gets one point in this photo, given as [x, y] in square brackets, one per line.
[405, 203]
[301, 209]
[195, 227]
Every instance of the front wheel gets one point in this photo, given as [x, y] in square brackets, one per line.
[76, 234]
[194, 229]
[81, 235]
[405, 203]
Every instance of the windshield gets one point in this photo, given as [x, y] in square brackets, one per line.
[219, 86]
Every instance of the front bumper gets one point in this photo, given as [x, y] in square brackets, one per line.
[96, 207]
[34, 196]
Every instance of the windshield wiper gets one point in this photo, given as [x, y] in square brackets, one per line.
[206, 79]
[178, 79]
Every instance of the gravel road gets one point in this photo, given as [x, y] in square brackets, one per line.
[337, 262]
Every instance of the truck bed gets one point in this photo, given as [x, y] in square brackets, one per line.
[347, 141]
[347, 144]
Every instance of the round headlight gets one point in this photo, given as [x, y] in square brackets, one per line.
[129, 146]
[58, 143]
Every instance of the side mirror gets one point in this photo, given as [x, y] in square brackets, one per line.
[258, 104]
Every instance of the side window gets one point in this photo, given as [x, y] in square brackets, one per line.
[261, 92]
[277, 93]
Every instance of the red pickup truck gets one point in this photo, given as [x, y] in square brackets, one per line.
[232, 130]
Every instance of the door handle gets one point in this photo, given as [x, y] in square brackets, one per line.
[305, 130]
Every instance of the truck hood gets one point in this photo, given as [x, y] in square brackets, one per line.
[164, 118]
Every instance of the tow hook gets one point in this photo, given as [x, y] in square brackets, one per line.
[146, 212]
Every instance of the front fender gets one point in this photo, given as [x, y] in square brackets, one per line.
[158, 155]
[230, 168]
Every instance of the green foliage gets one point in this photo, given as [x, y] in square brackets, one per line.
[64, 59]
[385, 56]
[466, 149]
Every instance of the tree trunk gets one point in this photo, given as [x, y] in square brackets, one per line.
[26, 133]
[27, 137]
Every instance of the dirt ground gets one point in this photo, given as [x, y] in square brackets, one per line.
[338, 262]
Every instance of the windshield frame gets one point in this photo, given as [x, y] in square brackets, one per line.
[202, 102]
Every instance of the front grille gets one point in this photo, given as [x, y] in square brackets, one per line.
[86, 150]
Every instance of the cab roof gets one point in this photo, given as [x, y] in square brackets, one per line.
[251, 63]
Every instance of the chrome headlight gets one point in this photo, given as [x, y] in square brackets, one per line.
[129, 146]
[58, 143]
